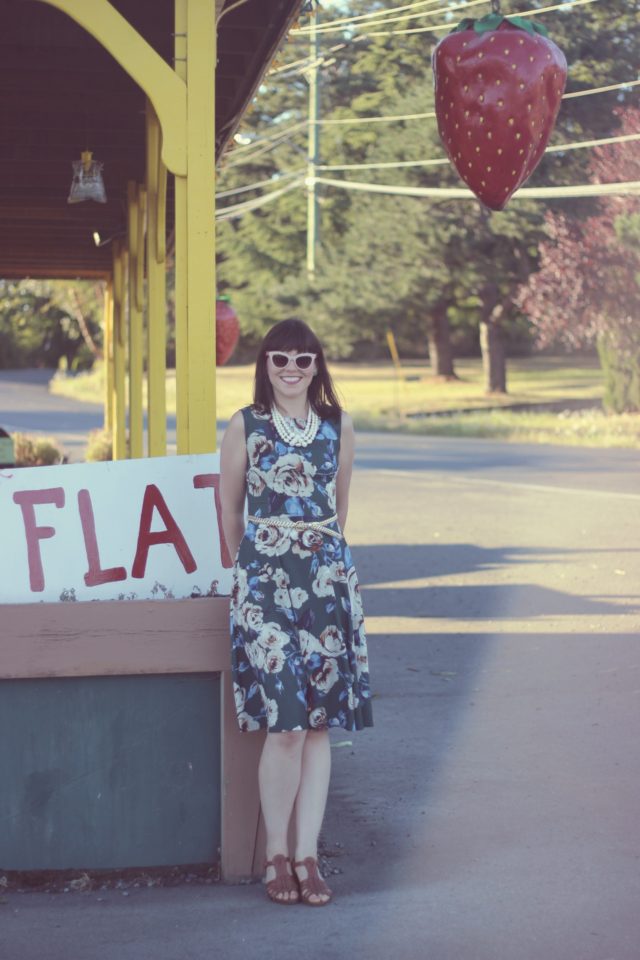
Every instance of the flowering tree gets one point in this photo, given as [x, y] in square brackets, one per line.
[587, 289]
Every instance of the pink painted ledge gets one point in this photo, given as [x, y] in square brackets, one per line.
[114, 637]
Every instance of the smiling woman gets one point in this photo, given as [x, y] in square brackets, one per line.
[299, 651]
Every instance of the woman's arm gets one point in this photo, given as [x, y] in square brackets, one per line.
[233, 469]
[345, 468]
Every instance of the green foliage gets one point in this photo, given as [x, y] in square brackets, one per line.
[100, 446]
[36, 451]
[45, 321]
[621, 368]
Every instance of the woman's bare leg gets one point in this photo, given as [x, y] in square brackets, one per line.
[279, 775]
[312, 797]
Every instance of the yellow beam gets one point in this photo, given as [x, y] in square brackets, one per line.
[136, 340]
[201, 64]
[164, 87]
[156, 290]
[119, 323]
[108, 356]
[142, 226]
[161, 238]
[181, 257]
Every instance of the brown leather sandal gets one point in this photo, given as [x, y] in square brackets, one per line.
[313, 884]
[283, 882]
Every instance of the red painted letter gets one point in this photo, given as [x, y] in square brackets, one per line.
[153, 499]
[95, 575]
[213, 480]
[27, 500]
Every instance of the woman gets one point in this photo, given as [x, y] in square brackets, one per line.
[299, 651]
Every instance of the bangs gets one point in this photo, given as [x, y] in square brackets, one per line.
[291, 335]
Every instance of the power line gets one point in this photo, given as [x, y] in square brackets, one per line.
[435, 162]
[378, 13]
[629, 187]
[238, 209]
[305, 62]
[391, 118]
[259, 184]
[328, 28]
[459, 193]
[568, 6]
[244, 159]
[384, 119]
[440, 161]
[249, 152]
[278, 134]
[582, 144]
[613, 86]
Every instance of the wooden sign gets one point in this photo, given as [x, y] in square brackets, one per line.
[132, 529]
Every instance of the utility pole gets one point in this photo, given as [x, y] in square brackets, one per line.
[313, 147]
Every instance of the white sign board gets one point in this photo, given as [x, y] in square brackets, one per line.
[133, 529]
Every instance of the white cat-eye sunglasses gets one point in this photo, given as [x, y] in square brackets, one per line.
[281, 360]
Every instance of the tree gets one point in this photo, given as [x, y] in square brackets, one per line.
[44, 320]
[587, 289]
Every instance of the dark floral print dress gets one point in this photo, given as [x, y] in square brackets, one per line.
[299, 651]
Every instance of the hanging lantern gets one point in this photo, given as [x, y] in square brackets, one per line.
[87, 183]
[227, 330]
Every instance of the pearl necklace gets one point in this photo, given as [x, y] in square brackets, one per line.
[290, 433]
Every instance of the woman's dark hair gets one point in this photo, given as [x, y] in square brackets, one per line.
[296, 335]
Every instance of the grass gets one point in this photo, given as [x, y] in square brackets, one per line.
[419, 403]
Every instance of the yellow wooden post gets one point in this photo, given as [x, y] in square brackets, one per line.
[135, 327]
[201, 66]
[108, 356]
[181, 256]
[141, 226]
[119, 324]
[156, 290]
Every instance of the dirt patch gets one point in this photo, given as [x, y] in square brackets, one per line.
[83, 881]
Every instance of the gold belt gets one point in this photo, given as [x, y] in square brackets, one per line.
[290, 524]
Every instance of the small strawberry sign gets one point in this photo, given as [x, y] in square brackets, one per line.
[227, 330]
[498, 87]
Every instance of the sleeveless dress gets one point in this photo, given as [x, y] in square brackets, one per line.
[298, 644]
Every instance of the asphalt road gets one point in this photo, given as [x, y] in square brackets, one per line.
[491, 813]
[26, 405]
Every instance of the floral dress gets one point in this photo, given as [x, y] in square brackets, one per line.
[299, 651]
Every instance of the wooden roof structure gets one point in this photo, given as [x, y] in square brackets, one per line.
[61, 92]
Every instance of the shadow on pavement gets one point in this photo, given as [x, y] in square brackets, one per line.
[489, 717]
[508, 599]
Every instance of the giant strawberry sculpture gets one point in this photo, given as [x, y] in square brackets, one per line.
[498, 86]
[227, 330]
